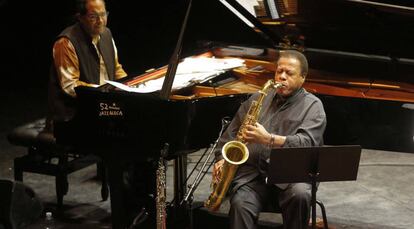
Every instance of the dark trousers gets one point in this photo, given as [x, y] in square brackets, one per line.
[250, 199]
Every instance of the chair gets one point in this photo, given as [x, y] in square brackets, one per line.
[269, 218]
[324, 218]
[320, 223]
[46, 157]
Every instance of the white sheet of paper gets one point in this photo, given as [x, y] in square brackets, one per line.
[190, 71]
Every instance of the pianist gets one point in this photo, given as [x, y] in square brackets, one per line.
[84, 54]
[291, 117]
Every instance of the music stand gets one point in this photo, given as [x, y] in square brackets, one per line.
[313, 165]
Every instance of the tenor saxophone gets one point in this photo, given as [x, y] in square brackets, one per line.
[235, 152]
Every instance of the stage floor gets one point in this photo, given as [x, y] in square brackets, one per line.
[381, 197]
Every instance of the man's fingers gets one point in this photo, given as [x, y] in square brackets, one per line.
[217, 177]
[217, 174]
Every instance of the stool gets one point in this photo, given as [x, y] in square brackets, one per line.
[46, 157]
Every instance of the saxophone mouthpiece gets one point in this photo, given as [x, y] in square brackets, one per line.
[277, 85]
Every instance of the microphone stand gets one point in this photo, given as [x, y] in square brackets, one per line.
[189, 197]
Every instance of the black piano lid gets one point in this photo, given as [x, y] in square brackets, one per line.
[398, 6]
[239, 11]
[356, 37]
[352, 37]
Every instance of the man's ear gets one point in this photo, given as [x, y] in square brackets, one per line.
[303, 78]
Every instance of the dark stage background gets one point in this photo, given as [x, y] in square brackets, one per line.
[28, 29]
[146, 33]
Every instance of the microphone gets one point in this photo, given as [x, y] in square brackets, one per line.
[225, 121]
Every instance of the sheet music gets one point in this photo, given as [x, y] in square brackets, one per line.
[191, 71]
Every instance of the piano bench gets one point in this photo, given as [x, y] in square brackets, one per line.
[46, 157]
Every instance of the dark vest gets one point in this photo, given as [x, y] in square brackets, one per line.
[61, 105]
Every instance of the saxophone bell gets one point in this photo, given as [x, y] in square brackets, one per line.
[235, 152]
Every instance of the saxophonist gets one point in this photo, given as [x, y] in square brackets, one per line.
[291, 117]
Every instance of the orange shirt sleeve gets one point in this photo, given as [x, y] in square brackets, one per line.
[119, 71]
[67, 66]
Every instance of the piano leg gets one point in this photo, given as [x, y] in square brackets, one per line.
[129, 200]
[118, 210]
[178, 217]
[180, 176]
[132, 191]
[116, 185]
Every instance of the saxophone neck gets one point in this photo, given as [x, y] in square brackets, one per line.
[266, 87]
[269, 84]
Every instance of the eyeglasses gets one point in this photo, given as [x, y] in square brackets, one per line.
[95, 16]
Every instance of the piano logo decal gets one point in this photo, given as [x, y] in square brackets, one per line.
[110, 110]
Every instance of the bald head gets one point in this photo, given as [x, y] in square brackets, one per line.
[298, 56]
[81, 5]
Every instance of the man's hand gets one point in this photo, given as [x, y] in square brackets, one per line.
[256, 134]
[216, 176]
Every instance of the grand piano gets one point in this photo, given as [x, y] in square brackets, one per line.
[361, 67]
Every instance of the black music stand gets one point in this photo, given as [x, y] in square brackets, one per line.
[313, 165]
